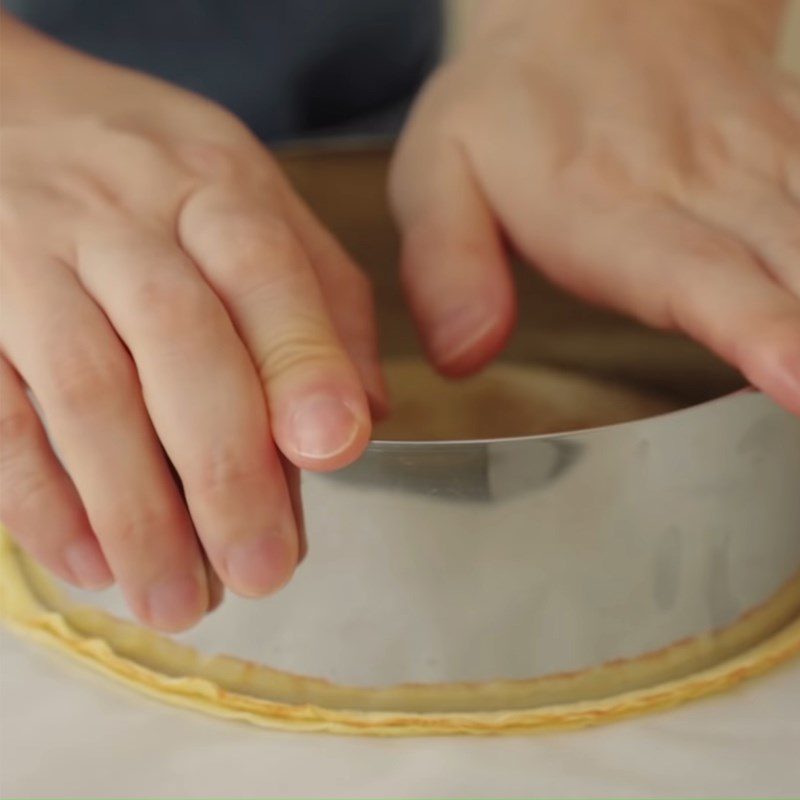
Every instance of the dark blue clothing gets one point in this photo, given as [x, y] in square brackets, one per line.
[286, 67]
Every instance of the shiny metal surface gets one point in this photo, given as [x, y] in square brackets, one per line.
[526, 557]
[594, 546]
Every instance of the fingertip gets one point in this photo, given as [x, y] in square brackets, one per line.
[461, 293]
[766, 348]
[324, 429]
[86, 565]
[776, 371]
[173, 604]
[261, 566]
[460, 346]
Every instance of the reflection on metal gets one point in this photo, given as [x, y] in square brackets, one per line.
[466, 472]
[556, 554]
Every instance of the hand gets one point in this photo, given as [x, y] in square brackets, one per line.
[171, 304]
[645, 156]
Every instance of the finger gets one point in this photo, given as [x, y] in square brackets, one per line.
[348, 297]
[38, 502]
[673, 270]
[789, 96]
[205, 402]
[293, 482]
[793, 178]
[216, 589]
[249, 254]
[453, 266]
[65, 349]
[762, 217]
[788, 93]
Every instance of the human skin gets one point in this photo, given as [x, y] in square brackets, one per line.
[170, 302]
[643, 154]
[174, 308]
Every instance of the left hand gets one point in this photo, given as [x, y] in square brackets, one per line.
[645, 156]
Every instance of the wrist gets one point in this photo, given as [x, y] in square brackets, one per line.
[30, 66]
[42, 79]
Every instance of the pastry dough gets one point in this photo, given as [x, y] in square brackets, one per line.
[232, 688]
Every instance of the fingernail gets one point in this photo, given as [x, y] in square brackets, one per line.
[323, 426]
[175, 603]
[459, 331]
[87, 565]
[260, 566]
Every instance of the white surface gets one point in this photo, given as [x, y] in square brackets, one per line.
[66, 732]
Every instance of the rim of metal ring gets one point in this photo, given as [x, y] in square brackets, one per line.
[382, 444]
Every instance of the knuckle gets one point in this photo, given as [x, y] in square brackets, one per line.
[101, 183]
[226, 150]
[23, 484]
[209, 160]
[758, 139]
[19, 426]
[137, 531]
[254, 239]
[24, 489]
[217, 470]
[599, 173]
[86, 375]
[262, 253]
[143, 151]
[709, 249]
[88, 190]
[173, 304]
[710, 145]
[292, 351]
[23, 209]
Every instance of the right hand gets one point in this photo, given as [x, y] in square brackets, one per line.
[170, 303]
